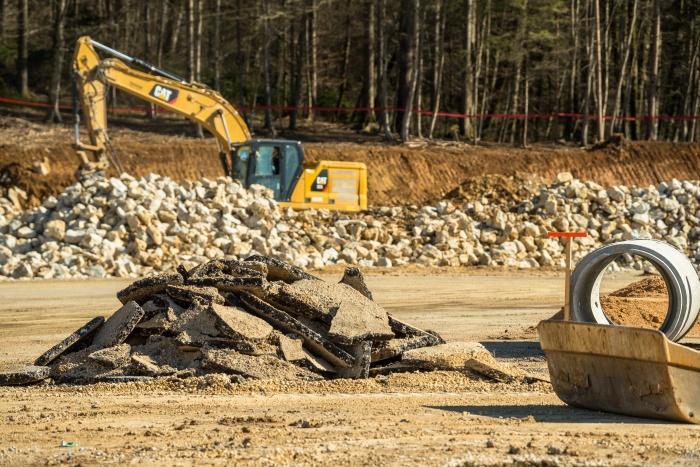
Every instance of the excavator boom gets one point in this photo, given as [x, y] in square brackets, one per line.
[276, 164]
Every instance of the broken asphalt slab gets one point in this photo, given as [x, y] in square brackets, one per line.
[78, 336]
[141, 290]
[239, 324]
[11, 375]
[286, 322]
[280, 271]
[118, 327]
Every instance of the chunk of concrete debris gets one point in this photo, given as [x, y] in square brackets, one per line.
[156, 325]
[321, 300]
[404, 329]
[66, 344]
[280, 271]
[355, 322]
[446, 356]
[395, 347]
[189, 341]
[292, 348]
[461, 356]
[363, 357]
[165, 352]
[141, 290]
[118, 327]
[112, 357]
[287, 323]
[189, 293]
[354, 278]
[239, 324]
[11, 375]
[145, 365]
[263, 367]
[197, 319]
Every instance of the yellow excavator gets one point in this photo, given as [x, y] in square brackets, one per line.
[276, 164]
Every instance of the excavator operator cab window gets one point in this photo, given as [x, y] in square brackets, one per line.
[265, 167]
[240, 164]
[267, 161]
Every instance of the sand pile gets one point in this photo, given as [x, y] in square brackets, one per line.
[255, 319]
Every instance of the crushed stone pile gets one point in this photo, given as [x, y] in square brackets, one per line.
[124, 227]
[259, 319]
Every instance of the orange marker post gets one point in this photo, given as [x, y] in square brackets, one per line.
[567, 273]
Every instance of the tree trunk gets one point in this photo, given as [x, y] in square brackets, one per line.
[60, 9]
[623, 68]
[298, 75]
[267, 39]
[216, 45]
[465, 124]
[189, 25]
[599, 74]
[589, 84]
[346, 60]
[406, 57]
[652, 123]
[410, 12]
[240, 60]
[3, 40]
[150, 113]
[161, 34]
[369, 88]
[313, 58]
[198, 55]
[438, 61]
[22, 47]
[383, 65]
[418, 79]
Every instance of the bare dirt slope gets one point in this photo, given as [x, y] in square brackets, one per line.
[418, 173]
[428, 418]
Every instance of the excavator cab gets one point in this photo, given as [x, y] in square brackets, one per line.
[274, 164]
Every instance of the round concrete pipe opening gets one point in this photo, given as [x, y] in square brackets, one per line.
[675, 268]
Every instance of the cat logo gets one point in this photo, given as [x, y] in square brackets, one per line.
[320, 183]
[164, 93]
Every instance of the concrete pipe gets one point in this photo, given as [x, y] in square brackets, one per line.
[682, 284]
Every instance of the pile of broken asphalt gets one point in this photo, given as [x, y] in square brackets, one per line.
[259, 319]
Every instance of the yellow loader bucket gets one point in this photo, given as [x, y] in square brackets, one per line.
[624, 370]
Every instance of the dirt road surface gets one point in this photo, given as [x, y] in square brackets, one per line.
[429, 418]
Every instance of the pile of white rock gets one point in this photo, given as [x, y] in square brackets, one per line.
[127, 227]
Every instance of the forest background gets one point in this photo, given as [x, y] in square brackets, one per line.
[513, 71]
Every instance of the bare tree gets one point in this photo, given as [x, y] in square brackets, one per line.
[465, 127]
[652, 123]
[60, 8]
[313, 57]
[23, 47]
[198, 54]
[623, 67]
[409, 74]
[599, 74]
[3, 10]
[148, 48]
[383, 63]
[216, 45]
[438, 61]
[369, 87]
[267, 40]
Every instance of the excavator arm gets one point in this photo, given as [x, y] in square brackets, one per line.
[192, 100]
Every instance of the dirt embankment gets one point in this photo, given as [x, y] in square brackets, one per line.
[415, 173]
